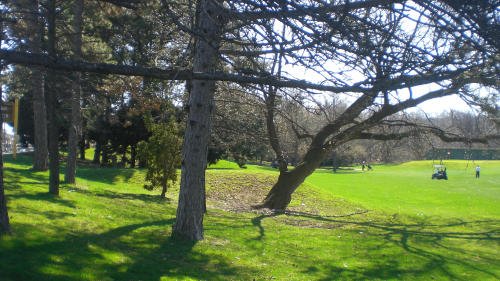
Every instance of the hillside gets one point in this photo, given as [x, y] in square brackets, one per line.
[392, 223]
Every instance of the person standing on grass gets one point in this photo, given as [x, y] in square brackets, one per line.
[478, 169]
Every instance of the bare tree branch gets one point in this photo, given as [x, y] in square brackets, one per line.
[129, 4]
[287, 10]
[164, 74]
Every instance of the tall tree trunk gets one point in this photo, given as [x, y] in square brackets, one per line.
[105, 155]
[75, 126]
[40, 157]
[124, 160]
[163, 189]
[4, 215]
[280, 195]
[133, 155]
[82, 146]
[97, 153]
[191, 207]
[53, 126]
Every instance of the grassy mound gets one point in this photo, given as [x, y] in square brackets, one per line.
[393, 223]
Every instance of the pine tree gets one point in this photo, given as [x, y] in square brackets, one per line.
[161, 153]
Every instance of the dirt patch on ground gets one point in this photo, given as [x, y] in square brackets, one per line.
[237, 192]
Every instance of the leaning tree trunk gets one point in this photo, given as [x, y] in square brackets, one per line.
[40, 156]
[280, 195]
[4, 215]
[191, 207]
[52, 101]
[75, 126]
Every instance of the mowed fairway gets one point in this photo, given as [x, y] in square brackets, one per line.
[408, 189]
[393, 223]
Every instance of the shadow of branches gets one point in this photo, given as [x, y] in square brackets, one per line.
[438, 247]
[141, 257]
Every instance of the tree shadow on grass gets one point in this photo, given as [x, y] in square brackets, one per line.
[123, 196]
[33, 211]
[105, 174]
[43, 196]
[431, 264]
[15, 177]
[176, 260]
[439, 248]
[257, 221]
[130, 252]
[25, 159]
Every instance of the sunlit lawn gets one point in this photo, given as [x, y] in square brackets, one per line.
[393, 223]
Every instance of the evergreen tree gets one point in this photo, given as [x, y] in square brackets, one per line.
[161, 153]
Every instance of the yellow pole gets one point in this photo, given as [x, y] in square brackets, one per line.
[16, 118]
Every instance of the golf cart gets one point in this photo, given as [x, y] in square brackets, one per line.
[439, 173]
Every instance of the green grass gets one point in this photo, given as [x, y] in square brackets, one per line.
[408, 189]
[224, 164]
[393, 223]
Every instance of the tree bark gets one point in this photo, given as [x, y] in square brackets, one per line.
[133, 155]
[105, 157]
[53, 126]
[97, 153]
[75, 126]
[81, 143]
[4, 215]
[280, 195]
[62, 64]
[163, 189]
[191, 207]
[40, 156]
[272, 130]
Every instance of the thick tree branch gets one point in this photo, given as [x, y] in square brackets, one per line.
[449, 137]
[164, 74]
[355, 131]
[287, 12]
[440, 133]
[389, 136]
[180, 74]
[300, 135]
